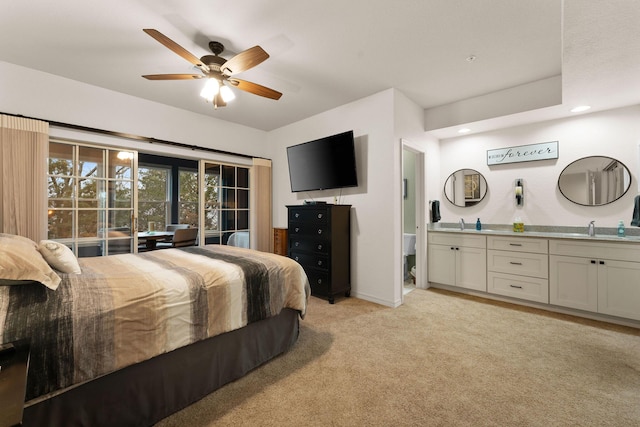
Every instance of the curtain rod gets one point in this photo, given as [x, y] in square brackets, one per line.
[133, 137]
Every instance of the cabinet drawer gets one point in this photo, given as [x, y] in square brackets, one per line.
[308, 229]
[529, 288]
[309, 245]
[310, 260]
[459, 239]
[616, 251]
[315, 216]
[518, 244]
[525, 264]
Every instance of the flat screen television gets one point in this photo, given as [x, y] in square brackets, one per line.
[324, 163]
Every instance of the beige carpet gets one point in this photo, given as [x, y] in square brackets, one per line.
[441, 359]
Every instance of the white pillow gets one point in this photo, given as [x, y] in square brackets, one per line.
[21, 262]
[59, 256]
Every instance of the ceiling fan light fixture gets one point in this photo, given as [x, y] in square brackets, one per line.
[210, 89]
[227, 94]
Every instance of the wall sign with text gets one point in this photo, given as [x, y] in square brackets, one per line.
[523, 153]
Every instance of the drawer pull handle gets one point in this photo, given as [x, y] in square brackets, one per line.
[516, 286]
[601, 262]
[319, 216]
[319, 281]
[593, 261]
[319, 230]
[515, 244]
[319, 247]
[297, 229]
[297, 215]
[297, 244]
[515, 263]
[319, 263]
[296, 258]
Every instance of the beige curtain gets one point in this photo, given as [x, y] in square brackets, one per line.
[262, 235]
[24, 147]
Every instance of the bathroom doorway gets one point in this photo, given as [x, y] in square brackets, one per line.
[412, 217]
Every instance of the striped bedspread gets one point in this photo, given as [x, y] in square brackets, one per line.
[125, 309]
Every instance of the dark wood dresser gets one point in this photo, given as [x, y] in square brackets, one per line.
[280, 241]
[320, 240]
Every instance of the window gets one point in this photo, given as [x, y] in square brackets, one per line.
[154, 201]
[90, 193]
[226, 206]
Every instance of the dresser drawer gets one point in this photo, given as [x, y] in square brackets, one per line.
[518, 244]
[310, 260]
[529, 288]
[309, 230]
[526, 264]
[315, 216]
[309, 245]
[319, 281]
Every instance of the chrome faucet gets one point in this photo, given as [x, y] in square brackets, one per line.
[461, 224]
[591, 229]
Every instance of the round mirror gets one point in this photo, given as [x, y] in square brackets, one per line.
[465, 187]
[594, 181]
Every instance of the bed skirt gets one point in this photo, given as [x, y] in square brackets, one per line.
[145, 393]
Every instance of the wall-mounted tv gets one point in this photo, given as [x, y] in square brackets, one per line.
[323, 164]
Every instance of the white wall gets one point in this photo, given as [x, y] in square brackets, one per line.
[373, 207]
[613, 133]
[45, 96]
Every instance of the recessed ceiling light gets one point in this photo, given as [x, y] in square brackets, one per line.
[464, 130]
[580, 108]
[471, 58]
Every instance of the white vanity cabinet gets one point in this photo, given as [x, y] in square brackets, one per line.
[518, 267]
[595, 276]
[458, 260]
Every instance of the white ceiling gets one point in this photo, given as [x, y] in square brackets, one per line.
[323, 53]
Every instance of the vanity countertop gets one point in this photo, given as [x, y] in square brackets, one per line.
[548, 232]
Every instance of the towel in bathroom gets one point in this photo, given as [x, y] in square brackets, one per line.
[635, 220]
[435, 211]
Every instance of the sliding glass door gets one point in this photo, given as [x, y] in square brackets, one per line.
[91, 195]
[100, 197]
[225, 210]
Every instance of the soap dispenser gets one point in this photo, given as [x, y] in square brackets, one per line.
[478, 225]
[621, 228]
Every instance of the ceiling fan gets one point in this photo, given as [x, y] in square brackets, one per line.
[217, 70]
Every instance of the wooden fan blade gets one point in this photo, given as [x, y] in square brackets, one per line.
[244, 61]
[175, 47]
[255, 88]
[172, 76]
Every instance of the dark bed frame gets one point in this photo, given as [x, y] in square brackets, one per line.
[145, 393]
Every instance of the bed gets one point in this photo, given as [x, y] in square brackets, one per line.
[129, 339]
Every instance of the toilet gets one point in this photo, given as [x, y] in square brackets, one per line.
[408, 248]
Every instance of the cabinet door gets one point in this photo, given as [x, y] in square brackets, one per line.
[573, 282]
[442, 264]
[471, 269]
[619, 288]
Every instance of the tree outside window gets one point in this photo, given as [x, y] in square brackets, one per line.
[188, 197]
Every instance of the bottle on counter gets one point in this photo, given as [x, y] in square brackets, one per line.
[478, 225]
[621, 228]
[518, 225]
